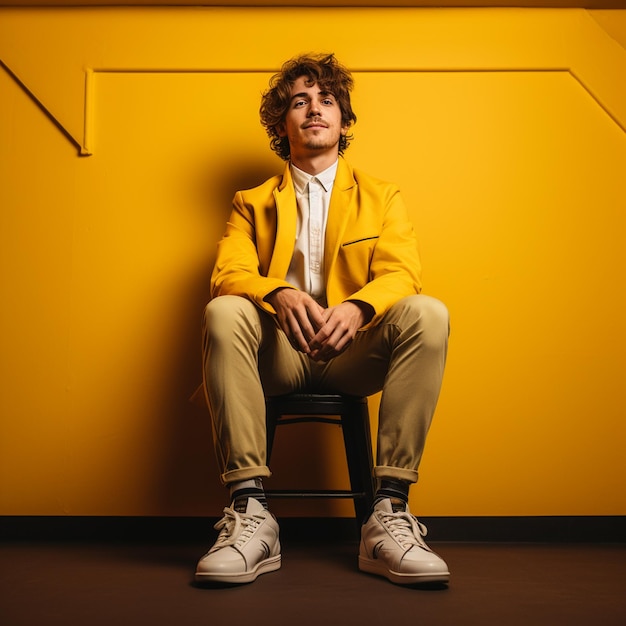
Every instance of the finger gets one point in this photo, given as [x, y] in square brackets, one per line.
[296, 336]
[317, 315]
[304, 323]
[326, 349]
[320, 338]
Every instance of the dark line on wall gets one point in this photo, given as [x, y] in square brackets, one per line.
[384, 70]
[42, 107]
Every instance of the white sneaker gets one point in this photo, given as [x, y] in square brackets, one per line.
[392, 545]
[247, 546]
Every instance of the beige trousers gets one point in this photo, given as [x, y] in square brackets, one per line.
[247, 356]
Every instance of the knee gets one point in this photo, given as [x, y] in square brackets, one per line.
[224, 314]
[431, 314]
[437, 311]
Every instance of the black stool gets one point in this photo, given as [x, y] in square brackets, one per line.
[351, 413]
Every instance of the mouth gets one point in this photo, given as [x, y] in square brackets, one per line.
[315, 125]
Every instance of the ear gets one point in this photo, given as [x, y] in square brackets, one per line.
[281, 129]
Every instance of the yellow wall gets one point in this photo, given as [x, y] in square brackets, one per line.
[506, 132]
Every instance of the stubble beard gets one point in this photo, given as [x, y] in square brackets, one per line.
[321, 143]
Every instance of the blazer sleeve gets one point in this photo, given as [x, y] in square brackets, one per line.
[241, 267]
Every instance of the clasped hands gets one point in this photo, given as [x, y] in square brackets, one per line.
[320, 333]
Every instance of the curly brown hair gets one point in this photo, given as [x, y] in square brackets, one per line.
[321, 69]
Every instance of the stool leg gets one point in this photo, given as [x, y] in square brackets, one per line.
[358, 444]
[272, 415]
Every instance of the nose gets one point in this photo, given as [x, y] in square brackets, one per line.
[314, 109]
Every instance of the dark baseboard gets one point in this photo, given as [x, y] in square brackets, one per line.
[554, 529]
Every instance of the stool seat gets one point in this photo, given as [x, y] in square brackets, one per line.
[349, 412]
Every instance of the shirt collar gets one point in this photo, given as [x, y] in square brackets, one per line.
[326, 178]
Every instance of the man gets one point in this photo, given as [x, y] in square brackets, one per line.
[315, 287]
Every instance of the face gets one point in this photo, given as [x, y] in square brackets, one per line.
[313, 123]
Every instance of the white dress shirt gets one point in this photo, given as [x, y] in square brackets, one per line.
[306, 271]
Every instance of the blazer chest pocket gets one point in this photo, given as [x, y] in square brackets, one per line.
[355, 258]
[354, 242]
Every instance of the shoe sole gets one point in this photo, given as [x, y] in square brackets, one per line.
[399, 578]
[264, 567]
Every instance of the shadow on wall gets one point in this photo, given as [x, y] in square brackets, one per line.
[187, 482]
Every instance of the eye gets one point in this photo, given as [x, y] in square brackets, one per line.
[328, 101]
[299, 103]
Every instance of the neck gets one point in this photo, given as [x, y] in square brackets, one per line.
[315, 164]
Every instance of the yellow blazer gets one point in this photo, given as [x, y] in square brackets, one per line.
[370, 247]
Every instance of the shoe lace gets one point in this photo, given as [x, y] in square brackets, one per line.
[235, 529]
[405, 529]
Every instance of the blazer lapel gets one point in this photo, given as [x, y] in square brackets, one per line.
[286, 223]
[339, 210]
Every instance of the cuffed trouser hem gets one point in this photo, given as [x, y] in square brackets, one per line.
[397, 473]
[245, 474]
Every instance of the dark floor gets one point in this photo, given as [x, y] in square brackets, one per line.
[90, 583]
